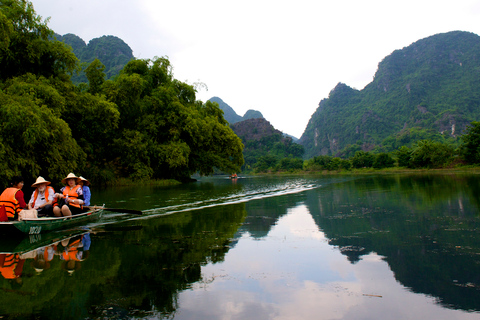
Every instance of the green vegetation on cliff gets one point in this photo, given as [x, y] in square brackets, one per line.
[428, 90]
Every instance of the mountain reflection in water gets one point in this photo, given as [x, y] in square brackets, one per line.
[272, 248]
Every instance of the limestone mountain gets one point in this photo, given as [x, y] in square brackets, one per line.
[231, 116]
[260, 138]
[112, 51]
[428, 90]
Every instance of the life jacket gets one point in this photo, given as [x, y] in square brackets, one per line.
[7, 199]
[35, 195]
[11, 266]
[72, 194]
[71, 252]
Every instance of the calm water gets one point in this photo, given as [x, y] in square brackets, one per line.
[369, 247]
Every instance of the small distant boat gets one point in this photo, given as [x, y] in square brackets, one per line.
[234, 176]
[47, 224]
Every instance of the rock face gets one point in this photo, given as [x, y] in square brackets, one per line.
[254, 129]
[428, 90]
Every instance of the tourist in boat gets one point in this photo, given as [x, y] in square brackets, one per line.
[72, 196]
[86, 190]
[13, 199]
[42, 198]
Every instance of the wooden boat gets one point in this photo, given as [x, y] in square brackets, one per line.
[47, 224]
[27, 243]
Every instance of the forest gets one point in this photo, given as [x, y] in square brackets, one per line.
[141, 125]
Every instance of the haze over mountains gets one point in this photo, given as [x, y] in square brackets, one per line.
[428, 90]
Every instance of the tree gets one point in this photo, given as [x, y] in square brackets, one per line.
[470, 148]
[404, 155]
[25, 46]
[430, 154]
[362, 159]
[383, 160]
[95, 76]
[34, 141]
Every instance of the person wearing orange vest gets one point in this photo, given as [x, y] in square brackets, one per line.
[12, 198]
[42, 198]
[72, 196]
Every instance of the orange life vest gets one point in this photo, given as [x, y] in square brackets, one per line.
[72, 194]
[71, 252]
[11, 266]
[12, 207]
[35, 195]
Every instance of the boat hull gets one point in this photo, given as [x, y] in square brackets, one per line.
[47, 224]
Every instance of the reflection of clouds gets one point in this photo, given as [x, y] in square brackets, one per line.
[295, 274]
[300, 223]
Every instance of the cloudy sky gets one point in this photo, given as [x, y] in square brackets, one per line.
[278, 57]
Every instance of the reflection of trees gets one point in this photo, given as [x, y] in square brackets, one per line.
[127, 272]
[263, 214]
[426, 227]
[164, 258]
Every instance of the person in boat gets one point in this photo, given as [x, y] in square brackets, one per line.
[234, 176]
[71, 198]
[13, 199]
[87, 195]
[42, 198]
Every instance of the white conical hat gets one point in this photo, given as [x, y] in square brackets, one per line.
[70, 176]
[39, 181]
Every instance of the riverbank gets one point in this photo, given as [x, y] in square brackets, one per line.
[361, 171]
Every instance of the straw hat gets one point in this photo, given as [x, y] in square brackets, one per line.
[39, 181]
[85, 181]
[70, 176]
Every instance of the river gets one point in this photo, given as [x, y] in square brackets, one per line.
[289, 247]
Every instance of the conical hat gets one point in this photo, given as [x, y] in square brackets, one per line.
[39, 181]
[85, 181]
[70, 176]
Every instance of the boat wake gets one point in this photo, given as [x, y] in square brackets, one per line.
[245, 195]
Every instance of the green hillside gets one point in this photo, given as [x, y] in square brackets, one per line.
[112, 51]
[428, 90]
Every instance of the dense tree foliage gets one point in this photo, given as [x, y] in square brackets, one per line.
[144, 124]
[471, 143]
[25, 47]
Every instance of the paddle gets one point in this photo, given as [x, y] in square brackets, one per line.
[129, 211]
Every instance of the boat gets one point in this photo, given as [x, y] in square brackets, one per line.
[47, 224]
[27, 243]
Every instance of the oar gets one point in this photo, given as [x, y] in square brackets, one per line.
[129, 211]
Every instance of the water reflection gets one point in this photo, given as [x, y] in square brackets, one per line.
[425, 227]
[264, 248]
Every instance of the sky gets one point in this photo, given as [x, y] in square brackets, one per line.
[278, 57]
